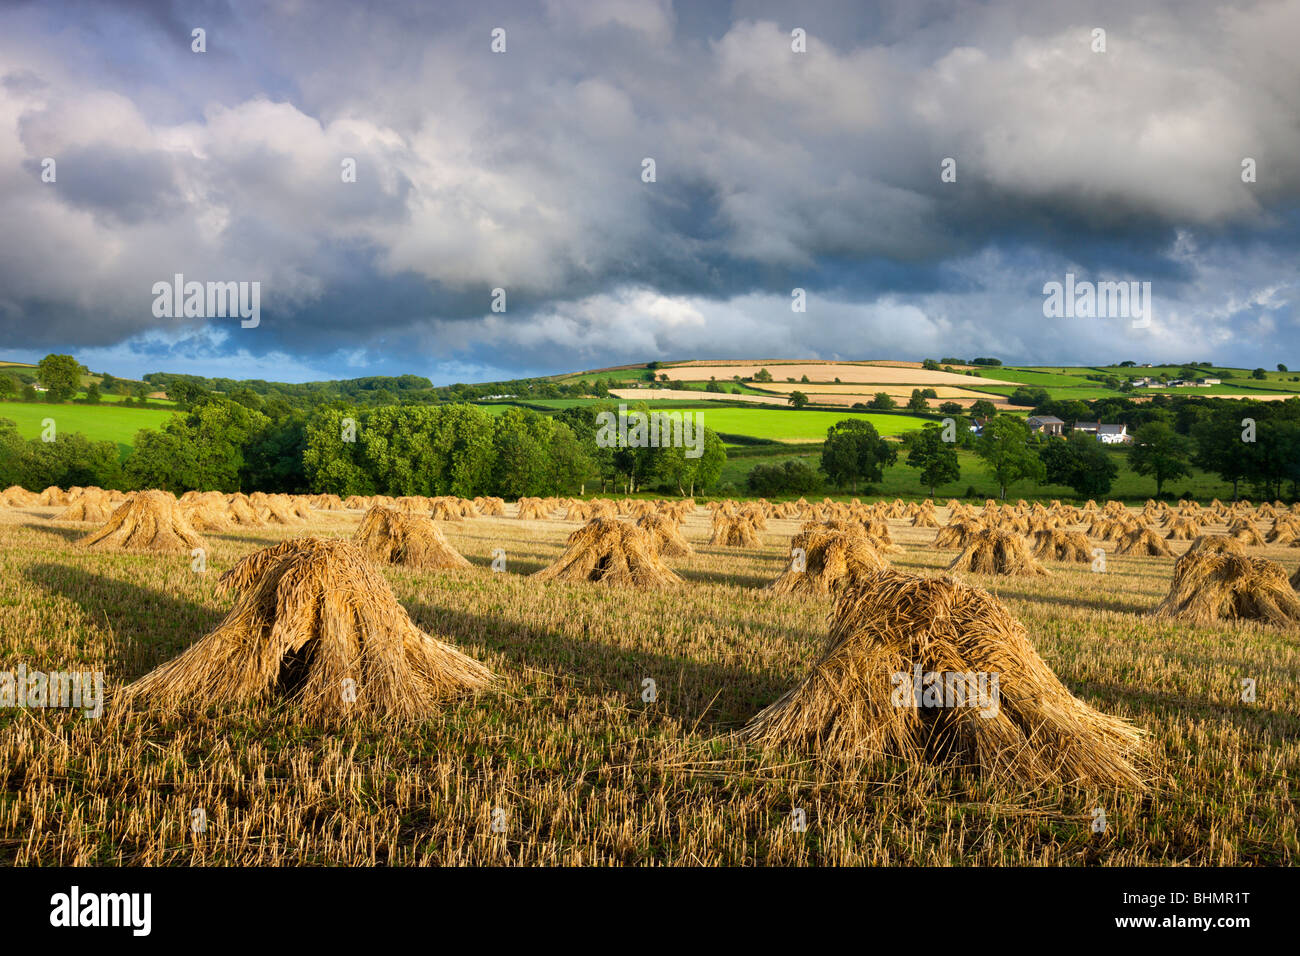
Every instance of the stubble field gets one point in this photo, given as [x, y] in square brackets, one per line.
[565, 763]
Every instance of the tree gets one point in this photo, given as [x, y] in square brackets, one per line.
[855, 452]
[202, 451]
[92, 394]
[571, 460]
[1080, 462]
[8, 387]
[1282, 368]
[1273, 459]
[917, 402]
[1004, 446]
[762, 375]
[401, 450]
[797, 399]
[1029, 396]
[936, 458]
[1259, 373]
[882, 402]
[673, 465]
[983, 409]
[931, 365]
[71, 459]
[61, 374]
[1161, 453]
[1219, 447]
[273, 456]
[521, 452]
[11, 454]
[792, 477]
[582, 423]
[950, 408]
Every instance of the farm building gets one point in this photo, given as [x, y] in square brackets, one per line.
[1106, 434]
[1045, 425]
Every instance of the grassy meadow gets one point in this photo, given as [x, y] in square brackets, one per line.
[109, 422]
[582, 769]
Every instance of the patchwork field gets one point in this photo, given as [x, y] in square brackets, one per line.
[825, 372]
[693, 395]
[567, 756]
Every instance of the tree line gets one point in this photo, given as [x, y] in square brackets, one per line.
[458, 449]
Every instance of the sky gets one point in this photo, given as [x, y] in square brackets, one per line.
[794, 146]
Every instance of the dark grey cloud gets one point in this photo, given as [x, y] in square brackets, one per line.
[522, 171]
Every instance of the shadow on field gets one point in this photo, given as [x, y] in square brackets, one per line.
[247, 539]
[514, 564]
[727, 579]
[1140, 608]
[147, 626]
[67, 534]
[1147, 702]
[686, 688]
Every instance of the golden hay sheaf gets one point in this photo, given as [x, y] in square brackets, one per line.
[665, 535]
[320, 628]
[240, 511]
[994, 551]
[578, 511]
[611, 551]
[1142, 540]
[16, 496]
[1244, 530]
[734, 531]
[409, 540]
[445, 509]
[1057, 544]
[532, 509]
[894, 629]
[957, 533]
[1183, 529]
[149, 521]
[1210, 586]
[93, 510]
[925, 518]
[207, 511]
[824, 559]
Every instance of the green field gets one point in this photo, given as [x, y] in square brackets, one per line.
[1084, 393]
[1048, 380]
[797, 426]
[773, 424]
[99, 423]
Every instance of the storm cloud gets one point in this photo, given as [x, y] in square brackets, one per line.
[522, 170]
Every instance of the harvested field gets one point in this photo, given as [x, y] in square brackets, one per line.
[585, 769]
[827, 372]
